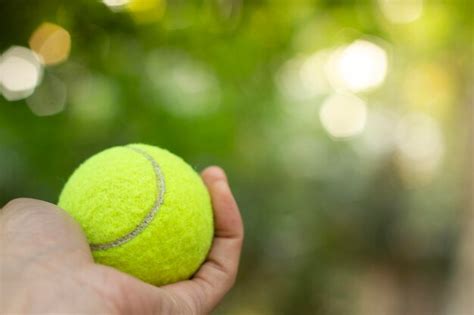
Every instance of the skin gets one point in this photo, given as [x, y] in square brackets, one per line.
[46, 264]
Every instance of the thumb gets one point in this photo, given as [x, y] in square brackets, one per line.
[33, 230]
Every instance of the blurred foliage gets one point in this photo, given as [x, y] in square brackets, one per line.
[330, 223]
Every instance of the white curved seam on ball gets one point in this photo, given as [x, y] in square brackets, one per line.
[160, 184]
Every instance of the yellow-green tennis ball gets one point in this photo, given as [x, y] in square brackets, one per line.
[144, 211]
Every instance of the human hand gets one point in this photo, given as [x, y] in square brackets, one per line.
[46, 265]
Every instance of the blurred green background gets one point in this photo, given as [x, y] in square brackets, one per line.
[343, 126]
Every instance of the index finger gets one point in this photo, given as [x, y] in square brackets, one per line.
[225, 253]
[217, 275]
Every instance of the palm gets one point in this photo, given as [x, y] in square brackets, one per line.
[127, 295]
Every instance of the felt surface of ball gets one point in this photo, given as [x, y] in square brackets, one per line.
[144, 211]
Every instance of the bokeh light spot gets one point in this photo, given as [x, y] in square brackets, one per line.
[401, 11]
[49, 98]
[303, 78]
[357, 67]
[51, 42]
[420, 146]
[94, 99]
[289, 81]
[146, 11]
[185, 86]
[343, 115]
[378, 138]
[312, 74]
[20, 72]
[115, 3]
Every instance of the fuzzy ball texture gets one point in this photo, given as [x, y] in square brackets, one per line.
[144, 211]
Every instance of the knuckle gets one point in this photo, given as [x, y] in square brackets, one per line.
[25, 212]
[16, 210]
[16, 203]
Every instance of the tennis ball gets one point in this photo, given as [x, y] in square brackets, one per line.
[144, 211]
